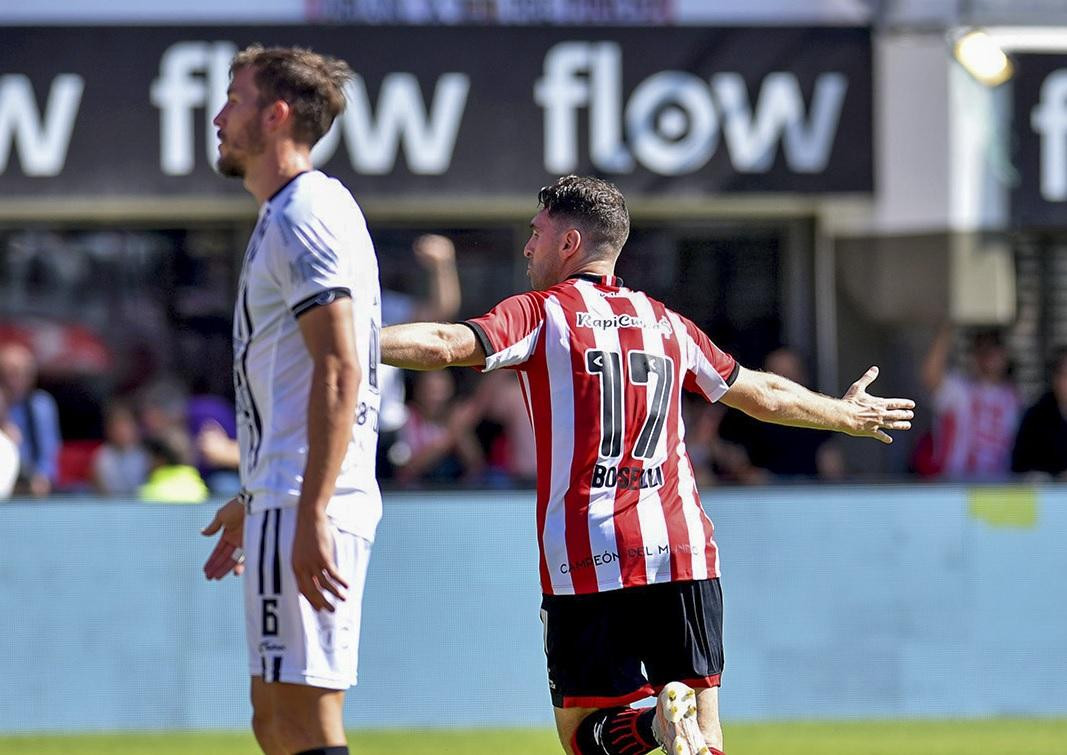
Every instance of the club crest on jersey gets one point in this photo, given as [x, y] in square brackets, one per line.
[614, 322]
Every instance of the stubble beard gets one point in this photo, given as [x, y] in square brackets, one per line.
[230, 165]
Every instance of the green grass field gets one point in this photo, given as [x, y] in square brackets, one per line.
[1000, 736]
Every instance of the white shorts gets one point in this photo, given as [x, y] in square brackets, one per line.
[288, 640]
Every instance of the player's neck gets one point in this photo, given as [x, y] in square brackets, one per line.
[275, 169]
[592, 267]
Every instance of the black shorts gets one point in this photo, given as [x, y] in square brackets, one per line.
[596, 644]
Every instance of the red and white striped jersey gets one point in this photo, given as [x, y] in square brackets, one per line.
[602, 370]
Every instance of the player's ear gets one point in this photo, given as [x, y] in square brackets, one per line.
[572, 241]
[278, 113]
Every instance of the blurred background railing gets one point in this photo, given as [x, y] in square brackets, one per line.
[894, 602]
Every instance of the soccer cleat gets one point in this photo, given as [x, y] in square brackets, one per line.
[675, 723]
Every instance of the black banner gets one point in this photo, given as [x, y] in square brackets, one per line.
[471, 111]
[1040, 139]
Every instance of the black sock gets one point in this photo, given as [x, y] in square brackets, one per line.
[616, 731]
[335, 750]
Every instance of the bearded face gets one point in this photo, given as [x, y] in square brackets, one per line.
[239, 124]
[236, 149]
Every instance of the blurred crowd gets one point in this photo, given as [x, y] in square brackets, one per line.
[171, 442]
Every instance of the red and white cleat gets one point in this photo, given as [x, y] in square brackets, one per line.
[675, 725]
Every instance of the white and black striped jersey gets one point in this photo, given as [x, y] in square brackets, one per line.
[310, 246]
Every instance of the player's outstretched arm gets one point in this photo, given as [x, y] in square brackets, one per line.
[431, 346]
[772, 398]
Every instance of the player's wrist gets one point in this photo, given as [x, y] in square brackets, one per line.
[311, 513]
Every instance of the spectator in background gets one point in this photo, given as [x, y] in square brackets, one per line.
[777, 452]
[437, 257]
[505, 432]
[161, 408]
[33, 411]
[1040, 450]
[714, 459]
[219, 458]
[976, 412]
[9, 451]
[120, 466]
[212, 422]
[172, 478]
[438, 440]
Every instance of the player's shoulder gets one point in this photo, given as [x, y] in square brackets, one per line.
[316, 197]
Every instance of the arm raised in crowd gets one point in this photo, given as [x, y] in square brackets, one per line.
[437, 256]
[935, 363]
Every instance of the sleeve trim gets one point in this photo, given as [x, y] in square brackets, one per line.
[320, 299]
[733, 373]
[480, 334]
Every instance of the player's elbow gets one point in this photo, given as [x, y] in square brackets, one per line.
[454, 347]
[349, 375]
[439, 351]
[341, 375]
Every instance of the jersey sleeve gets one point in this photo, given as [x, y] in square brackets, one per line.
[509, 331]
[709, 370]
[312, 263]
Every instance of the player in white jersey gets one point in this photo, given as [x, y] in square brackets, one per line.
[629, 568]
[306, 328]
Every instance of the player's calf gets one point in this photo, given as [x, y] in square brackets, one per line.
[674, 724]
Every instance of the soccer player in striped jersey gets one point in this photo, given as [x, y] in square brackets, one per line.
[629, 566]
[306, 328]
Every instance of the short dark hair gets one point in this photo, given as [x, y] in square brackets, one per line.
[312, 85]
[595, 205]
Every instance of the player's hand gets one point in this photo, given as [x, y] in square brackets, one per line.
[228, 556]
[873, 414]
[313, 565]
[431, 250]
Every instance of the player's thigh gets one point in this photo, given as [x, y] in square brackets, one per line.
[567, 721]
[288, 640]
[684, 642]
[591, 652]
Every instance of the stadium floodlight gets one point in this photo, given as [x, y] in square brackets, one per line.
[982, 56]
[986, 53]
